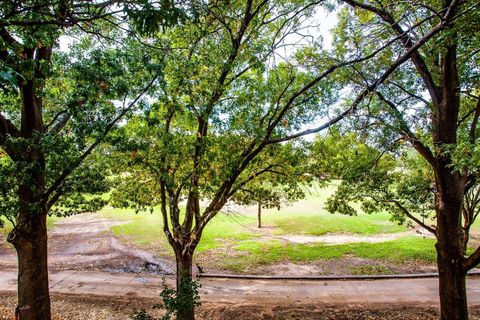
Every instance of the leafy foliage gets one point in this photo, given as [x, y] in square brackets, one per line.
[174, 302]
[397, 181]
[140, 315]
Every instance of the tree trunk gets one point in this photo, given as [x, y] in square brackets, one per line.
[451, 271]
[453, 291]
[30, 241]
[185, 295]
[29, 236]
[450, 244]
[259, 214]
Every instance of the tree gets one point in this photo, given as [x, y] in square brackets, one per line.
[55, 111]
[432, 103]
[280, 185]
[224, 104]
[219, 121]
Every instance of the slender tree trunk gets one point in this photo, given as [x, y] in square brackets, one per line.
[30, 241]
[259, 214]
[184, 290]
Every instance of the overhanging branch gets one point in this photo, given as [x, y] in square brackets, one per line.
[372, 87]
[66, 172]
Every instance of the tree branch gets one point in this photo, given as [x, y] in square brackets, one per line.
[372, 87]
[411, 216]
[7, 128]
[473, 126]
[473, 260]
[66, 172]
[407, 42]
[409, 135]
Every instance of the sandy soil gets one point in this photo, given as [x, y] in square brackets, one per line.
[341, 238]
[86, 243]
[82, 307]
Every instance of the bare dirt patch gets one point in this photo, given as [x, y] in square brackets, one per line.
[86, 243]
[80, 308]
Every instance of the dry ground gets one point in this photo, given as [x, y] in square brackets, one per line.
[86, 243]
[82, 308]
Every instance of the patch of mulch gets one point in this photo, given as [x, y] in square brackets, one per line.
[96, 308]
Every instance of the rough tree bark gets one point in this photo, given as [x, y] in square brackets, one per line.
[184, 258]
[449, 197]
[30, 241]
[450, 247]
[29, 236]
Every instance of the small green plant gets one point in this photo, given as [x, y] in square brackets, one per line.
[186, 298]
[140, 315]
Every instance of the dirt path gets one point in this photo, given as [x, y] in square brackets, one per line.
[238, 291]
[86, 243]
[269, 232]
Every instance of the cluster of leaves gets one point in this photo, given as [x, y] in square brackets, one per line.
[174, 301]
[140, 315]
[397, 180]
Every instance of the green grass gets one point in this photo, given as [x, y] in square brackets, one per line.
[396, 251]
[310, 217]
[239, 233]
[321, 222]
[476, 225]
[147, 228]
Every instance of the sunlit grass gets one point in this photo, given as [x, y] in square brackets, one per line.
[395, 251]
[238, 232]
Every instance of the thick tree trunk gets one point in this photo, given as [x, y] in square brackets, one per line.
[259, 225]
[30, 241]
[450, 244]
[450, 262]
[29, 237]
[453, 291]
[184, 290]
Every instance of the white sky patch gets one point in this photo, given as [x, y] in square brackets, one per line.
[317, 28]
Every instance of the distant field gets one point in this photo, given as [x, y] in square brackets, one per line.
[237, 232]
[233, 242]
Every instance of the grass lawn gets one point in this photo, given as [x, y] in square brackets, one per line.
[309, 217]
[147, 229]
[238, 232]
[396, 251]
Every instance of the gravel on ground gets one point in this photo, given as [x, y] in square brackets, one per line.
[67, 307]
